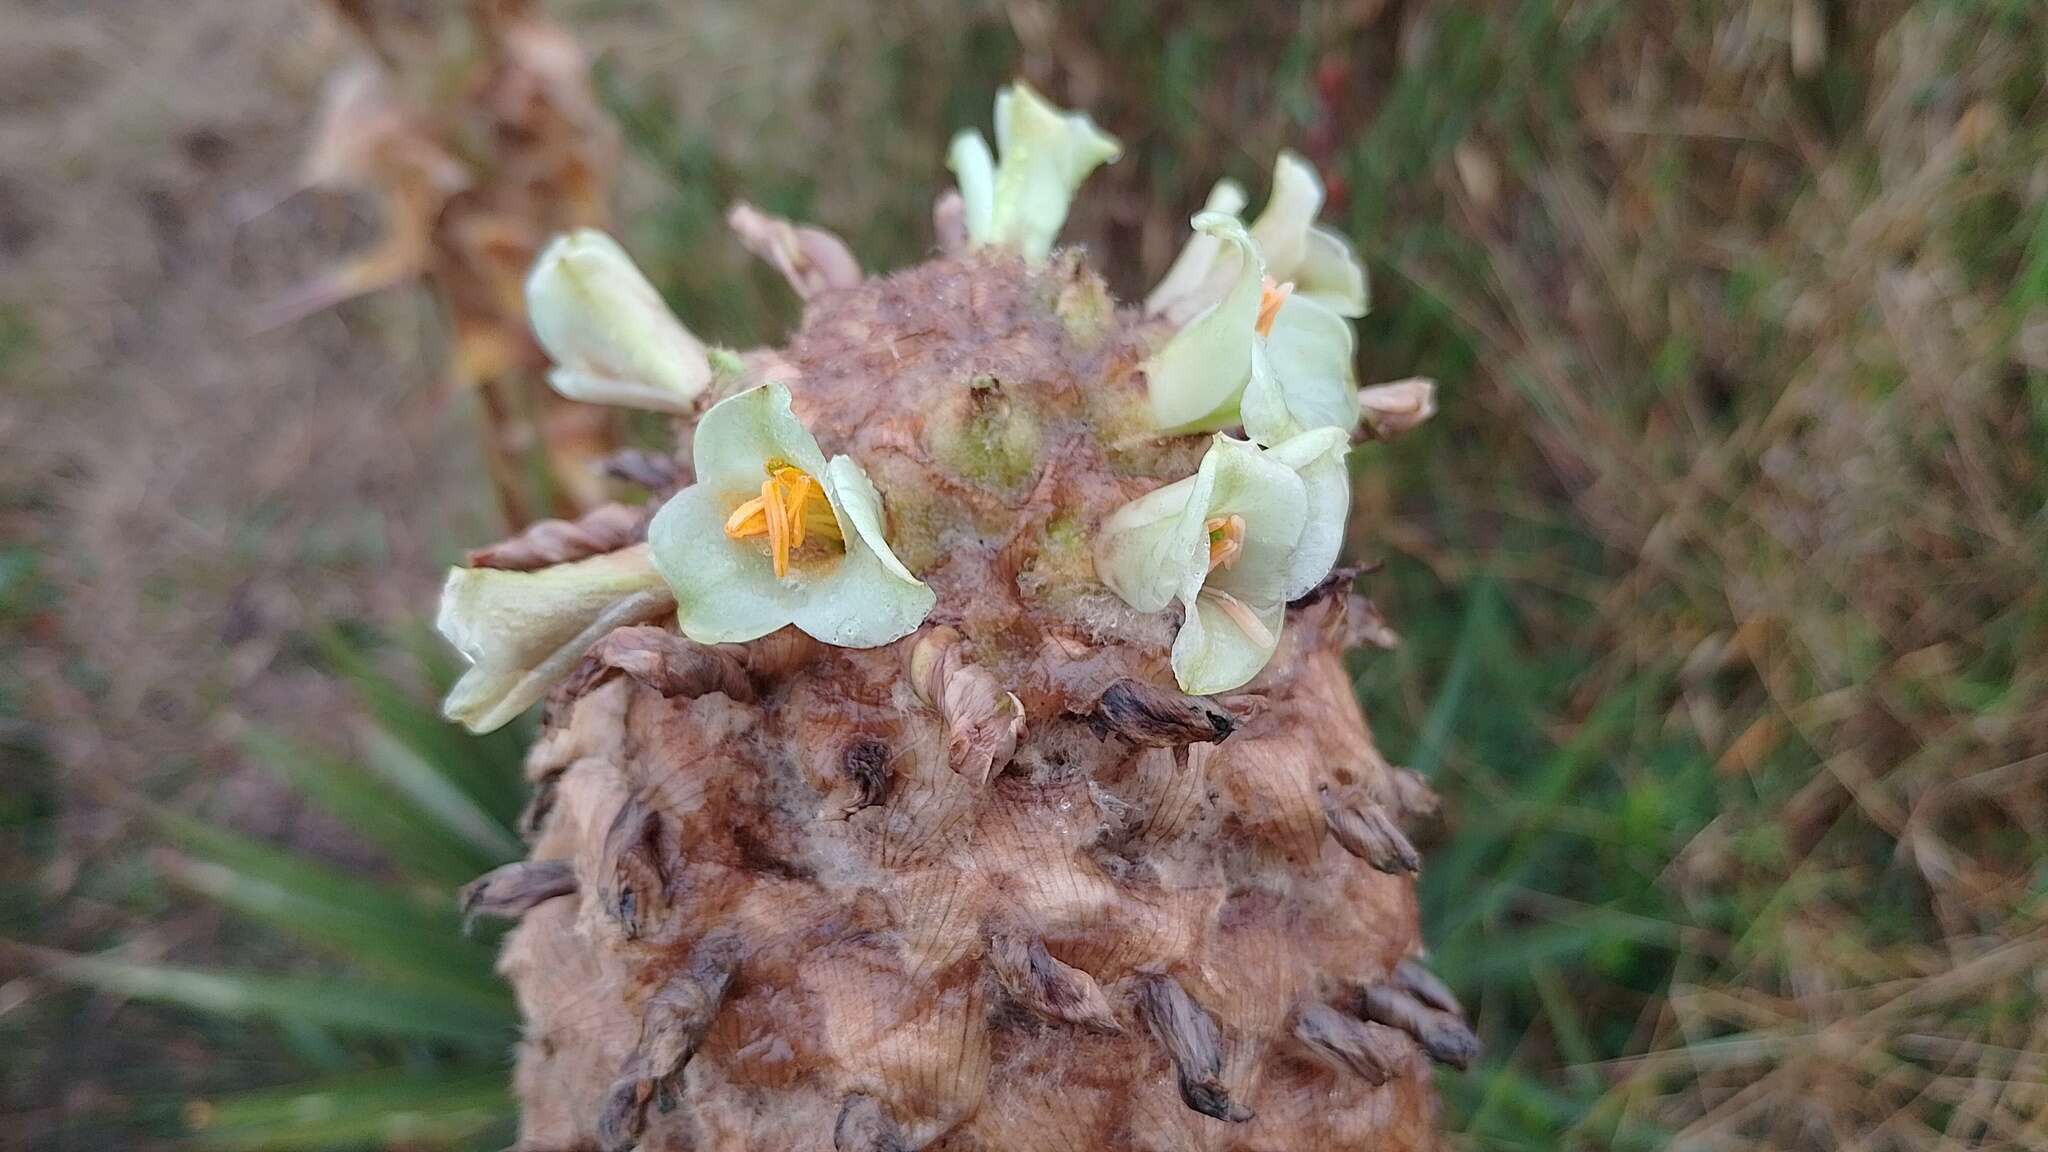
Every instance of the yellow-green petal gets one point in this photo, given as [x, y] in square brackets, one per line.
[1194, 382]
[1302, 375]
[1319, 262]
[1043, 155]
[612, 338]
[974, 170]
[1202, 271]
[1317, 457]
[522, 631]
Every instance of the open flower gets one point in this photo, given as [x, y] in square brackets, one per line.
[612, 338]
[522, 631]
[1022, 200]
[1263, 355]
[1249, 531]
[772, 534]
[1318, 261]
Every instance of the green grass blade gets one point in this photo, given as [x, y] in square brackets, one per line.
[438, 796]
[374, 810]
[403, 950]
[342, 1004]
[484, 768]
[429, 910]
[376, 1110]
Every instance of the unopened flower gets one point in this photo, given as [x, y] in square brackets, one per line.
[773, 534]
[521, 631]
[1395, 409]
[612, 338]
[1021, 200]
[1264, 355]
[1318, 261]
[811, 259]
[1249, 531]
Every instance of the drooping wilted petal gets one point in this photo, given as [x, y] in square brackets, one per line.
[612, 338]
[1020, 200]
[1195, 381]
[521, 631]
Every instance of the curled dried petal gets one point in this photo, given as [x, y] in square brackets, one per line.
[1373, 1051]
[1392, 410]
[1155, 717]
[672, 665]
[1444, 1035]
[983, 720]
[811, 259]
[512, 890]
[606, 528]
[1038, 979]
[1194, 1044]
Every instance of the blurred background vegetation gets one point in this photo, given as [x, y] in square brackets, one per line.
[1719, 573]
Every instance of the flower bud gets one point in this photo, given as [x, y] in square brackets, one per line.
[610, 335]
[1396, 409]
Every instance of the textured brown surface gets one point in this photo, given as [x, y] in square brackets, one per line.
[1119, 926]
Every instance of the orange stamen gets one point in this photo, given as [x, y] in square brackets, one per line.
[780, 514]
[746, 520]
[1271, 297]
[1226, 540]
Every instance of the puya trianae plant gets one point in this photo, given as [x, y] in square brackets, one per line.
[959, 755]
[477, 134]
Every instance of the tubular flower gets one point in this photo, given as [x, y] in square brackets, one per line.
[1021, 200]
[1264, 355]
[1319, 262]
[610, 335]
[521, 631]
[772, 534]
[1249, 531]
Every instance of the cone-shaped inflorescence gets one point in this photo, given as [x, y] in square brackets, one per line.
[958, 754]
